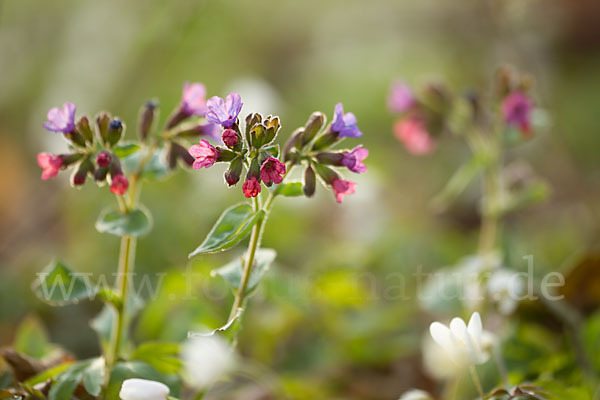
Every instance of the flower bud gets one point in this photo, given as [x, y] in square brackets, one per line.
[178, 152]
[103, 159]
[142, 389]
[254, 170]
[327, 174]
[325, 140]
[230, 138]
[102, 121]
[232, 175]
[147, 114]
[257, 135]
[251, 120]
[273, 125]
[85, 166]
[291, 142]
[76, 138]
[115, 131]
[312, 127]
[100, 174]
[330, 158]
[83, 127]
[309, 181]
[436, 97]
[70, 159]
[118, 184]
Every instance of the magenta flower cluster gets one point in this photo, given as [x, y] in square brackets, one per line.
[253, 149]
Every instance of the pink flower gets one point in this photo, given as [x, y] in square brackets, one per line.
[62, 120]
[193, 100]
[342, 187]
[272, 170]
[103, 159]
[353, 159]
[119, 184]
[412, 133]
[204, 153]
[401, 97]
[251, 187]
[517, 108]
[229, 137]
[50, 164]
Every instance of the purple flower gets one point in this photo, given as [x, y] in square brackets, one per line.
[516, 108]
[193, 99]
[344, 124]
[272, 170]
[225, 112]
[62, 120]
[401, 97]
[353, 159]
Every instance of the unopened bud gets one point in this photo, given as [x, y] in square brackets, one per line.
[312, 127]
[325, 140]
[103, 159]
[85, 166]
[83, 127]
[257, 136]
[291, 142]
[147, 114]
[102, 121]
[115, 131]
[178, 152]
[225, 154]
[232, 175]
[309, 182]
[273, 125]
[330, 158]
[230, 137]
[251, 120]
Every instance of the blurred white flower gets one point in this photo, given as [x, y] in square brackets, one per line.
[465, 345]
[206, 359]
[436, 361]
[504, 287]
[416, 394]
[142, 389]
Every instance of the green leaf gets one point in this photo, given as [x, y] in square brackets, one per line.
[292, 189]
[232, 226]
[272, 150]
[93, 377]
[232, 272]
[136, 222]
[50, 373]
[31, 339]
[125, 149]
[58, 285]
[164, 357]
[132, 369]
[67, 382]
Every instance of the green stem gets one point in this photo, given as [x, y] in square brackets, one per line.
[126, 264]
[476, 381]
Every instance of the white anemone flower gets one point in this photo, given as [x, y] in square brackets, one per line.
[465, 345]
[143, 389]
[416, 394]
[206, 359]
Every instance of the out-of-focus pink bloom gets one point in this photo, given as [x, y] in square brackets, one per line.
[119, 184]
[62, 120]
[193, 99]
[272, 170]
[516, 109]
[204, 153]
[344, 124]
[401, 97]
[229, 137]
[251, 187]
[353, 159]
[224, 112]
[103, 159]
[50, 165]
[341, 188]
[413, 134]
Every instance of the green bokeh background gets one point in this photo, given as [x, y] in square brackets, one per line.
[322, 319]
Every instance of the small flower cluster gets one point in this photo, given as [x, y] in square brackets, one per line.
[253, 151]
[427, 115]
[90, 149]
